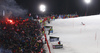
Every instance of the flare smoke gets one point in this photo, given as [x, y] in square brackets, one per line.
[11, 8]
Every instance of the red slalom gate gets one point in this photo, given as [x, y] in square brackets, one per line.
[47, 43]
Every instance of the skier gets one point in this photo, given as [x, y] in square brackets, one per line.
[82, 23]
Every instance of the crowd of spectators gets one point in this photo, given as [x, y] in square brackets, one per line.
[21, 36]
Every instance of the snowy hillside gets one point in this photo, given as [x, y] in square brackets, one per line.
[75, 37]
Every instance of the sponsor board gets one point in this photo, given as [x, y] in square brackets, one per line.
[53, 39]
[57, 46]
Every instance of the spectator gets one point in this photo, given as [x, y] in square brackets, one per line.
[21, 37]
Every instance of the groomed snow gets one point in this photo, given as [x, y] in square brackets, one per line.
[75, 37]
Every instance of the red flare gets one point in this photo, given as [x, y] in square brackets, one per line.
[10, 21]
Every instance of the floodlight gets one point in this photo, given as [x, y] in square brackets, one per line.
[87, 1]
[42, 8]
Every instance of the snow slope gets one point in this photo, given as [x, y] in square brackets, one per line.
[75, 37]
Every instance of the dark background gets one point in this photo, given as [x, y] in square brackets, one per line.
[61, 6]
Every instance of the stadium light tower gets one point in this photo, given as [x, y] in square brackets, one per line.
[87, 2]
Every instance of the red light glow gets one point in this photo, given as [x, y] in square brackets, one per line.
[10, 21]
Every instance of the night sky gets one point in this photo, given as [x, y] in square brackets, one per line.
[61, 6]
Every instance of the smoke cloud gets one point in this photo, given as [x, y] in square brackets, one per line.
[11, 8]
